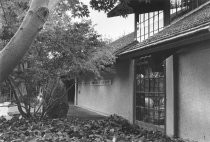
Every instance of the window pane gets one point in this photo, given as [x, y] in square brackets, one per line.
[160, 20]
[150, 96]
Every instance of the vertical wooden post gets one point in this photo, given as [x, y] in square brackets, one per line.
[170, 106]
[136, 20]
[132, 79]
[176, 95]
[166, 13]
[172, 99]
[76, 91]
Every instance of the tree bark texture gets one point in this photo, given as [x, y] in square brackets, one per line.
[23, 38]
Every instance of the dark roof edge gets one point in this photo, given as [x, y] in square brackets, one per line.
[117, 52]
[170, 47]
[196, 29]
[113, 14]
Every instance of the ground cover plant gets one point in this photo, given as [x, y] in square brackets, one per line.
[110, 129]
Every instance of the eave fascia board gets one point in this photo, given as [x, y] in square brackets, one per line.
[169, 47]
[161, 41]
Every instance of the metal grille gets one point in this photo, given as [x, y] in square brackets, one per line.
[150, 93]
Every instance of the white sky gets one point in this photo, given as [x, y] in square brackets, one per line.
[111, 28]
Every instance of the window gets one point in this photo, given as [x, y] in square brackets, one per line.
[148, 24]
[180, 7]
[150, 92]
[151, 23]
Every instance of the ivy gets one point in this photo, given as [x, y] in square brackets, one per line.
[111, 129]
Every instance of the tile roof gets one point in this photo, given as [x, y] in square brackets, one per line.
[194, 20]
[128, 46]
[122, 42]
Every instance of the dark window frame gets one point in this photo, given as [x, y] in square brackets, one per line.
[145, 113]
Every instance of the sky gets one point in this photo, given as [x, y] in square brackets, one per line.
[111, 28]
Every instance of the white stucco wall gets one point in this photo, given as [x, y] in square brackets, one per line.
[194, 92]
[116, 98]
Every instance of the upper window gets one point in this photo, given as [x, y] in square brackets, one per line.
[180, 7]
[149, 24]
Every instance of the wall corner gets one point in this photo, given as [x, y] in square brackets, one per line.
[132, 84]
[170, 97]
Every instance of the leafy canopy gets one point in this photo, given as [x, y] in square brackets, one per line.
[63, 48]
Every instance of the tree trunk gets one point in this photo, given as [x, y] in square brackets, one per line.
[23, 38]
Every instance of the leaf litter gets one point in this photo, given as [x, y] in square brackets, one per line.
[110, 129]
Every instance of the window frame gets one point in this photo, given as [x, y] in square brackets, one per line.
[149, 125]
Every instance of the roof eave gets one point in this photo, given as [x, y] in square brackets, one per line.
[117, 52]
[206, 28]
[115, 12]
[137, 7]
[168, 48]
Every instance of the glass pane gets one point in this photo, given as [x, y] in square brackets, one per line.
[156, 21]
[160, 20]
[150, 100]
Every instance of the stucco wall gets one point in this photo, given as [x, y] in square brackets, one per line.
[116, 98]
[170, 128]
[194, 92]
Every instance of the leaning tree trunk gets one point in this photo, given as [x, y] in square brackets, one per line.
[23, 38]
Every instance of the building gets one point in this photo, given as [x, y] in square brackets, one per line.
[162, 81]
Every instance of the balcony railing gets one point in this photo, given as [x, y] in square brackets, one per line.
[150, 23]
[180, 7]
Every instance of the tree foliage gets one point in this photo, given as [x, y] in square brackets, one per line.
[73, 49]
[11, 13]
[63, 48]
